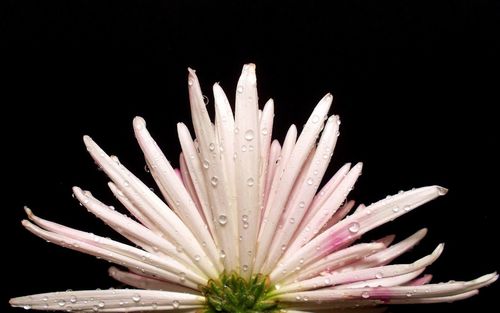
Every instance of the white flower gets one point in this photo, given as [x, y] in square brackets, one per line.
[244, 228]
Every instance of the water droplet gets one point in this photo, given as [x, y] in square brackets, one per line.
[245, 225]
[305, 298]
[298, 298]
[249, 135]
[175, 304]
[239, 89]
[136, 297]
[211, 146]
[72, 299]
[407, 208]
[265, 131]
[214, 180]
[61, 302]
[243, 148]
[283, 247]
[315, 119]
[244, 218]
[222, 254]
[182, 276]
[379, 275]
[95, 308]
[27, 307]
[408, 294]
[190, 82]
[310, 181]
[354, 227]
[327, 281]
[365, 295]
[395, 209]
[206, 163]
[100, 304]
[222, 219]
[292, 220]
[45, 299]
[301, 261]
[197, 258]
[206, 100]
[302, 204]
[245, 268]
[250, 182]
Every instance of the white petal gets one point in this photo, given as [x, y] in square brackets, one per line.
[109, 300]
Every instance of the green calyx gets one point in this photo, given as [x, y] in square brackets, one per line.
[233, 294]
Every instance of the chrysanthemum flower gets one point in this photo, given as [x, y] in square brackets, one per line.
[243, 227]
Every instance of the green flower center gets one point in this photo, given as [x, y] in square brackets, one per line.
[233, 294]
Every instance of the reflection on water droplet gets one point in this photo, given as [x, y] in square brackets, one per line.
[214, 180]
[211, 146]
[245, 268]
[222, 254]
[265, 131]
[379, 275]
[61, 302]
[222, 219]
[365, 295]
[310, 181]
[175, 304]
[136, 298]
[314, 118]
[239, 89]
[354, 227]
[249, 135]
[206, 163]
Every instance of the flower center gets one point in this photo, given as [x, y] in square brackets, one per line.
[233, 294]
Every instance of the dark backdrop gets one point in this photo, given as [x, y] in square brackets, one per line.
[415, 83]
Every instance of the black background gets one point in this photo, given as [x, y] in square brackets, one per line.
[415, 83]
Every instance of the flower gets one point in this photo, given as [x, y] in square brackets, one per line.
[244, 228]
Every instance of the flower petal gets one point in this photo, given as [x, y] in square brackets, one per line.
[110, 300]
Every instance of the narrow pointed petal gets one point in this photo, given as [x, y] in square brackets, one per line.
[330, 262]
[274, 155]
[188, 183]
[142, 282]
[306, 189]
[247, 149]
[133, 231]
[107, 300]
[364, 274]
[151, 205]
[330, 206]
[173, 188]
[215, 177]
[352, 227]
[305, 143]
[383, 282]
[107, 249]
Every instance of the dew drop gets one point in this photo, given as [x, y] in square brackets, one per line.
[354, 227]
[95, 308]
[175, 304]
[292, 220]
[197, 258]
[408, 294]
[250, 182]
[283, 247]
[407, 208]
[190, 82]
[214, 180]
[265, 131]
[245, 268]
[61, 302]
[244, 218]
[379, 275]
[249, 135]
[45, 299]
[245, 225]
[100, 304]
[365, 295]
[395, 209]
[211, 146]
[310, 181]
[206, 163]
[315, 119]
[243, 148]
[27, 307]
[239, 89]
[146, 168]
[222, 219]
[302, 204]
[136, 298]
[222, 254]
[182, 276]
[72, 299]
[298, 298]
[327, 281]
